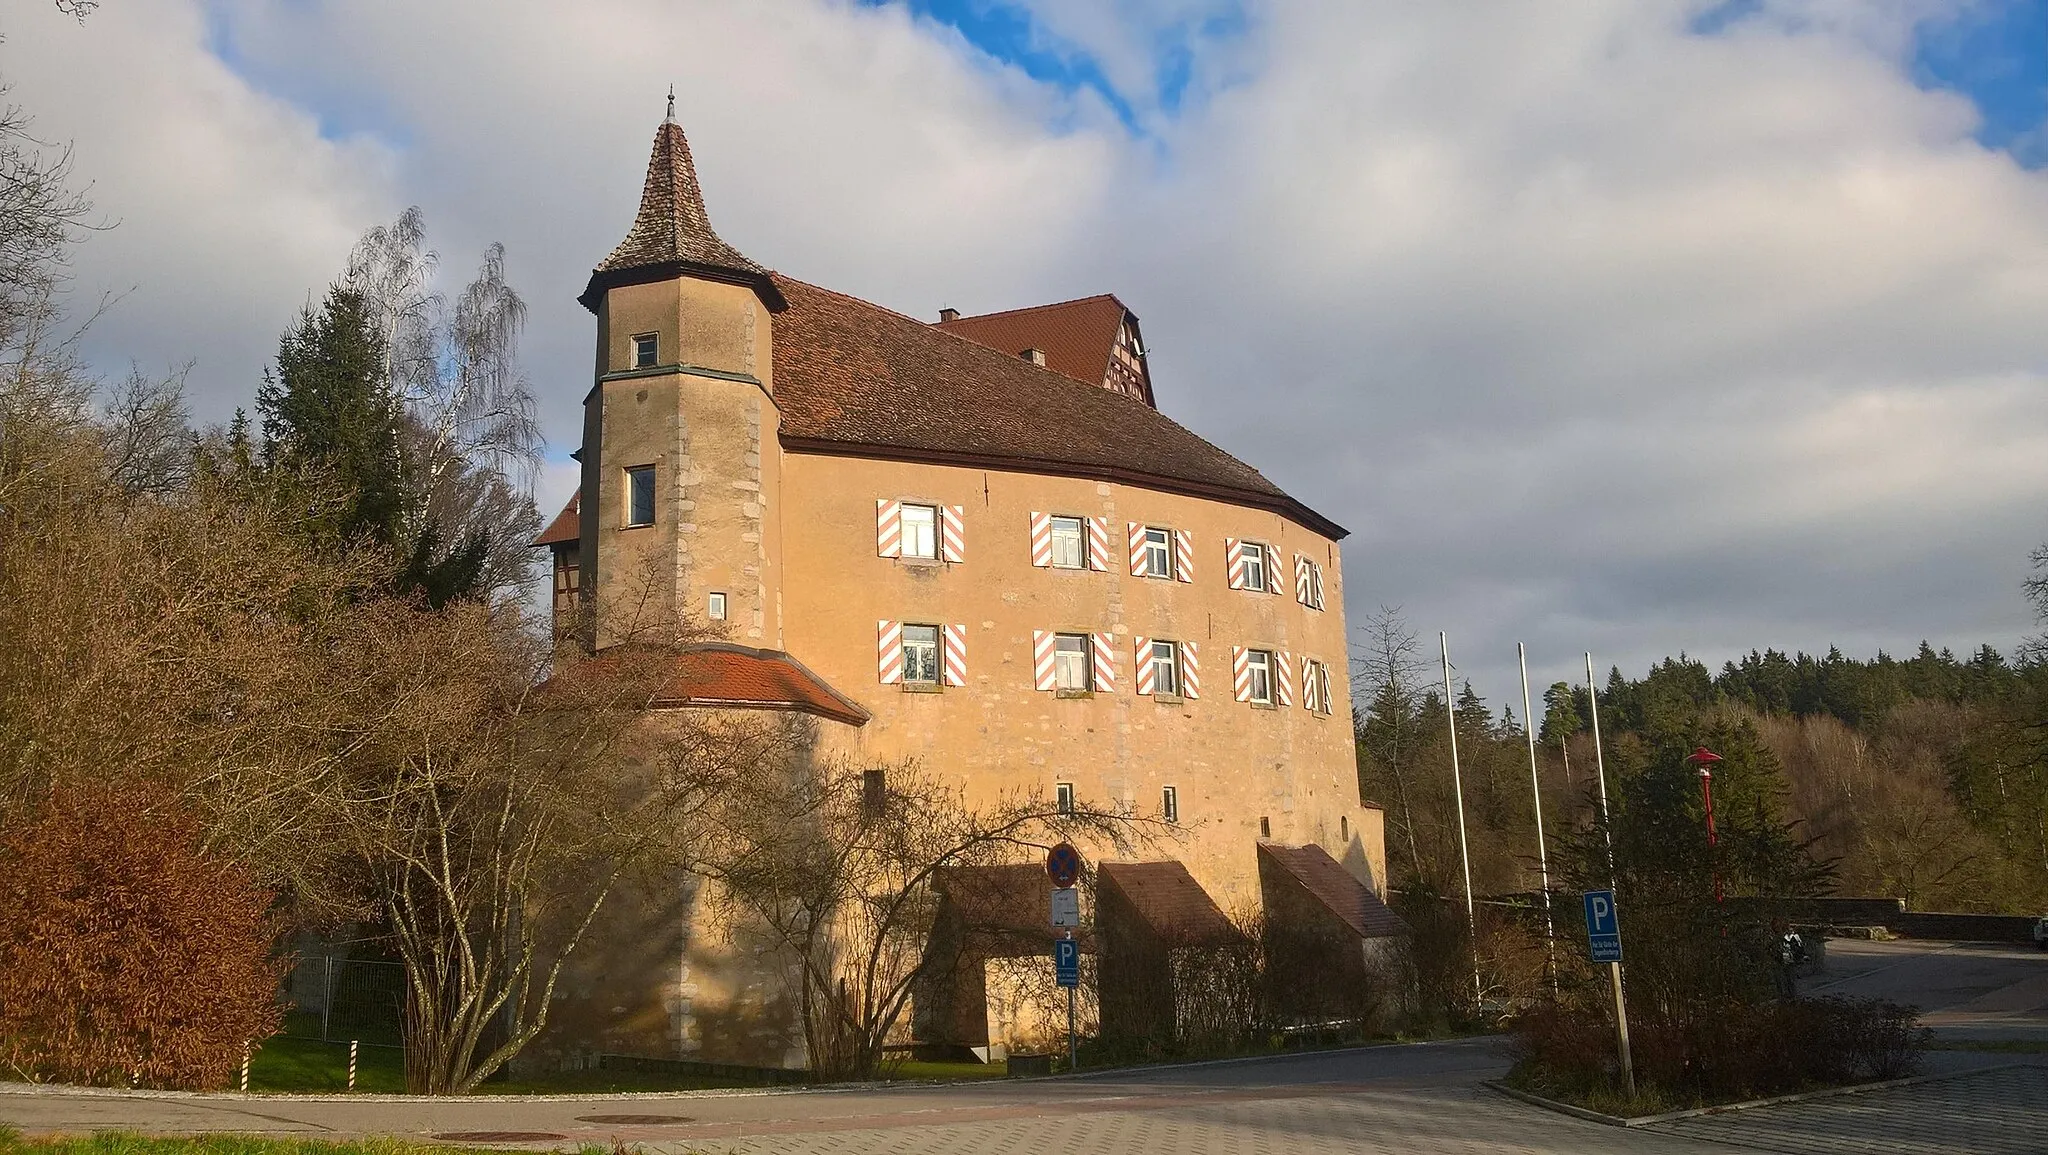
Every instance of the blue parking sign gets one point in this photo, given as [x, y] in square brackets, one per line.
[1603, 926]
[1066, 962]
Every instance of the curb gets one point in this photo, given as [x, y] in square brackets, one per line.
[1692, 1113]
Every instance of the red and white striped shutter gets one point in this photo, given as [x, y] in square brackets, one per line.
[1233, 560]
[956, 655]
[1315, 584]
[953, 533]
[889, 652]
[1302, 567]
[1190, 671]
[1241, 672]
[1283, 677]
[1183, 556]
[1041, 660]
[888, 527]
[1141, 658]
[1104, 665]
[1041, 541]
[1308, 684]
[1098, 544]
[1137, 550]
[1273, 578]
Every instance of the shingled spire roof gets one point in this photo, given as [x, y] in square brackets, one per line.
[672, 235]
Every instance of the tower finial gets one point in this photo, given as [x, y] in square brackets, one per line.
[671, 117]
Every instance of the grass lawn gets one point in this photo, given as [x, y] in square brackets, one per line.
[119, 1143]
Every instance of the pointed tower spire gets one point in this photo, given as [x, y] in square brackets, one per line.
[672, 235]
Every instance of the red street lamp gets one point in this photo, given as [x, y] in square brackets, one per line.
[1706, 759]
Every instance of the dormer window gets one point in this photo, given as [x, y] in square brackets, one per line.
[646, 347]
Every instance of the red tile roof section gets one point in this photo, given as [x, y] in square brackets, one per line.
[1076, 336]
[1170, 902]
[566, 527]
[720, 674]
[1325, 879]
[856, 379]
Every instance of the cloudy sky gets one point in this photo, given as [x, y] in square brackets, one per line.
[1634, 326]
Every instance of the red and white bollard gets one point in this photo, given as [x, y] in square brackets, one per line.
[352, 1064]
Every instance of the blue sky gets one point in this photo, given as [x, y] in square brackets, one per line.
[1993, 51]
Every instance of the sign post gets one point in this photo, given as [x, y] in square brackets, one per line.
[1603, 944]
[1063, 866]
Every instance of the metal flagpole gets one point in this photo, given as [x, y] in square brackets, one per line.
[1458, 790]
[1536, 792]
[1628, 1069]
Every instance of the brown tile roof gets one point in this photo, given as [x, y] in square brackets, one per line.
[566, 526]
[1171, 904]
[713, 674]
[1076, 336]
[857, 379]
[1334, 887]
[672, 231]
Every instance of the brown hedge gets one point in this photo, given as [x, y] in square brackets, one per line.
[128, 955]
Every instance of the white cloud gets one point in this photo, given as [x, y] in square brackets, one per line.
[1598, 332]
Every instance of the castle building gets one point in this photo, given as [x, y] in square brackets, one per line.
[977, 542]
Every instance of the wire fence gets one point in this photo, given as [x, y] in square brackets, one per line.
[346, 998]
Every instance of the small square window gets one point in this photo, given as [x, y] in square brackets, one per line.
[1169, 804]
[1158, 552]
[1069, 543]
[640, 495]
[1165, 668]
[645, 348]
[1259, 664]
[717, 607]
[1254, 555]
[920, 530]
[1063, 797]
[1070, 656]
[921, 655]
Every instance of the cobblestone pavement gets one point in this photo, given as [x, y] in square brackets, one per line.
[1421, 1099]
[2002, 1112]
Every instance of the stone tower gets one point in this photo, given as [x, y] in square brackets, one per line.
[680, 532]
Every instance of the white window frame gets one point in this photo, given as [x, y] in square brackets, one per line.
[1254, 554]
[927, 546]
[633, 475]
[1259, 665]
[1158, 552]
[1079, 528]
[653, 347]
[1169, 804]
[910, 668]
[714, 605]
[1063, 797]
[1087, 662]
[1165, 659]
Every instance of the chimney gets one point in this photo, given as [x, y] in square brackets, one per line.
[946, 315]
[1035, 356]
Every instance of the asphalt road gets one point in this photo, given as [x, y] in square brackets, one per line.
[1964, 991]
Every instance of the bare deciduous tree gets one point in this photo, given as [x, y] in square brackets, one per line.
[1387, 730]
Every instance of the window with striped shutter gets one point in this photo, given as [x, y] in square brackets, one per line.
[953, 533]
[1308, 582]
[1273, 580]
[1183, 556]
[1190, 671]
[1041, 540]
[956, 655]
[1098, 544]
[1042, 676]
[1283, 678]
[1233, 561]
[1141, 665]
[1104, 668]
[889, 652]
[888, 527]
[1241, 673]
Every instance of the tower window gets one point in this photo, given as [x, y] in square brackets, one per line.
[920, 530]
[716, 607]
[1070, 654]
[1169, 804]
[640, 495]
[1069, 544]
[1063, 797]
[1158, 552]
[645, 348]
[1265, 827]
[1165, 668]
[1259, 667]
[921, 655]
